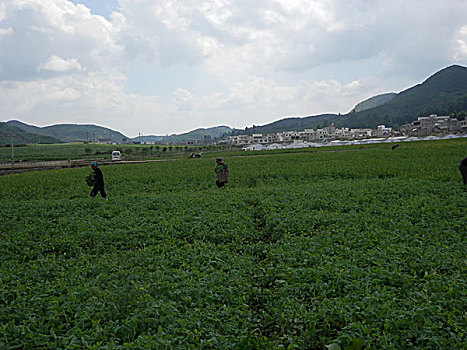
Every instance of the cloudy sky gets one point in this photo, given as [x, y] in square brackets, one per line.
[166, 66]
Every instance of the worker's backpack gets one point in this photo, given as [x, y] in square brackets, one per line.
[223, 176]
[91, 179]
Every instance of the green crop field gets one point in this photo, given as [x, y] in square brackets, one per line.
[77, 150]
[328, 248]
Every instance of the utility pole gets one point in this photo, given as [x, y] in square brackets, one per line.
[12, 149]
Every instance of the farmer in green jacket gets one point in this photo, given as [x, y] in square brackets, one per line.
[222, 173]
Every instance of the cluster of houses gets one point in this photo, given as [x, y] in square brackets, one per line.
[309, 135]
[433, 124]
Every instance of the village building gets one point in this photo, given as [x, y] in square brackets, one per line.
[308, 135]
[105, 141]
[288, 136]
[343, 134]
[464, 126]
[422, 126]
[361, 133]
[382, 131]
[432, 124]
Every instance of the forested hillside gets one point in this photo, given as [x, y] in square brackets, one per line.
[72, 132]
[11, 134]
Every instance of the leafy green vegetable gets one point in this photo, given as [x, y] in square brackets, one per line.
[344, 249]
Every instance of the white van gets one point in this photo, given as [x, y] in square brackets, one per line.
[116, 155]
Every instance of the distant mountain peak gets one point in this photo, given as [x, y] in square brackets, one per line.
[374, 101]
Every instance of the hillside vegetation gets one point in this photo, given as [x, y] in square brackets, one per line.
[200, 134]
[11, 134]
[287, 124]
[71, 132]
[374, 102]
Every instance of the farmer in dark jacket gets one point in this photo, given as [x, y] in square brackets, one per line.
[222, 173]
[463, 170]
[99, 181]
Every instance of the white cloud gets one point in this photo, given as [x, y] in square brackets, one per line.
[42, 29]
[6, 31]
[58, 64]
[460, 50]
[198, 63]
[185, 100]
[2, 11]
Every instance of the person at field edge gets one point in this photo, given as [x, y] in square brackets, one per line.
[463, 170]
[222, 172]
[99, 184]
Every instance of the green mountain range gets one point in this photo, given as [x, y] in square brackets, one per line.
[444, 93]
[286, 124]
[71, 132]
[12, 134]
[200, 134]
